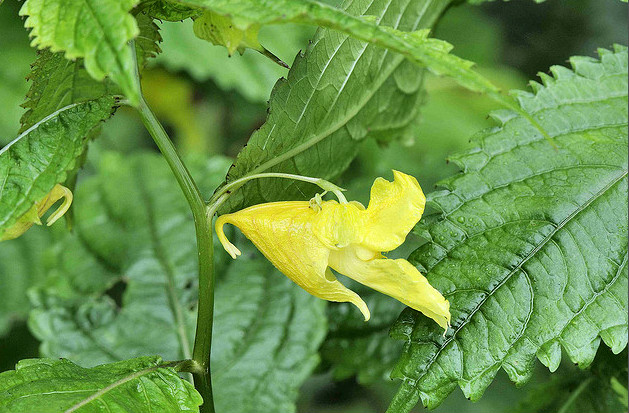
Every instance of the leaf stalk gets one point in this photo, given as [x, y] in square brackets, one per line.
[221, 195]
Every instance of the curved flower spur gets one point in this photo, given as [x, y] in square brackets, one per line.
[305, 239]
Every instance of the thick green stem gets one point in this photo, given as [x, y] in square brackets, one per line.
[205, 312]
[205, 249]
[205, 255]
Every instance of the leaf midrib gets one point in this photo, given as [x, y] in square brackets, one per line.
[110, 387]
[534, 251]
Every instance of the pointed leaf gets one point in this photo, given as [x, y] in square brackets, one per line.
[98, 31]
[64, 105]
[416, 45]
[57, 81]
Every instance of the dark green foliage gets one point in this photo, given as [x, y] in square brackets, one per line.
[64, 105]
[354, 347]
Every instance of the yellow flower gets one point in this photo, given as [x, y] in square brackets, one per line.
[33, 215]
[305, 239]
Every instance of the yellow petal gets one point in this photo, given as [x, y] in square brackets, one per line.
[396, 278]
[393, 210]
[282, 231]
[33, 215]
[339, 225]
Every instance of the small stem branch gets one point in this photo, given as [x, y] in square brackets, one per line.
[223, 193]
[205, 250]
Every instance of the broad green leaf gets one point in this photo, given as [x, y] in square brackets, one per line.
[531, 244]
[21, 266]
[134, 236]
[57, 385]
[43, 155]
[98, 31]
[338, 93]
[415, 45]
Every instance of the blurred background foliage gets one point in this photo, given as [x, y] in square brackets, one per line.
[210, 104]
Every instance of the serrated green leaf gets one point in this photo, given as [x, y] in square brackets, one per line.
[64, 106]
[148, 40]
[98, 31]
[58, 82]
[43, 155]
[137, 385]
[531, 246]
[134, 236]
[338, 93]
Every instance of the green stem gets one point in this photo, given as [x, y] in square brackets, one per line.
[205, 250]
